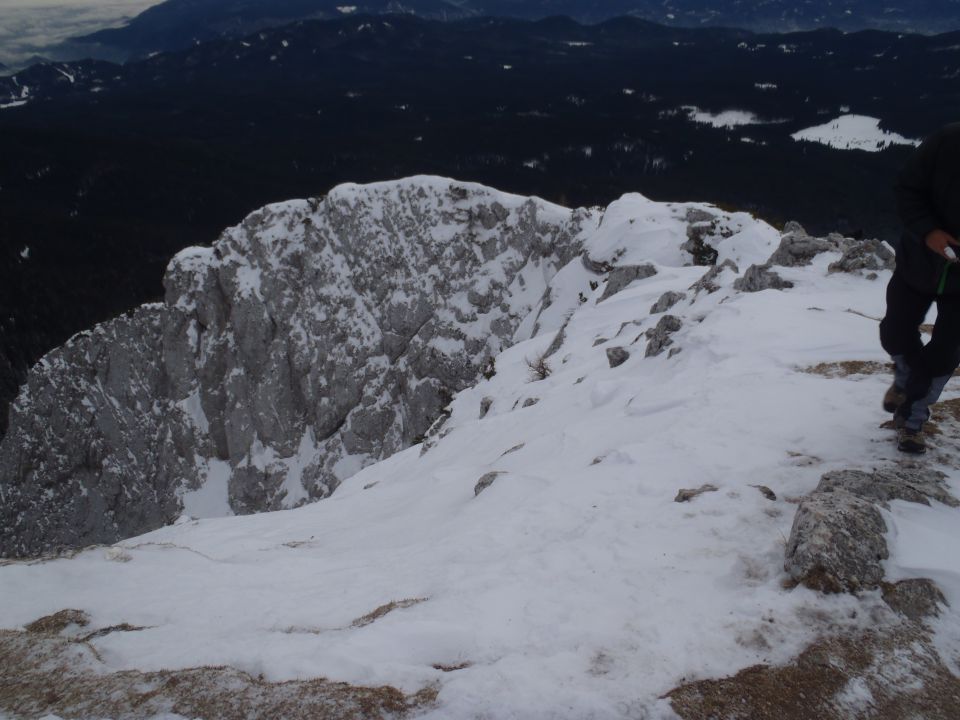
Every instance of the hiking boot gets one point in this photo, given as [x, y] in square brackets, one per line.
[911, 441]
[893, 398]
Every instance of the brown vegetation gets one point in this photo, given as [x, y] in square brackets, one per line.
[42, 672]
[846, 368]
[384, 609]
[888, 674]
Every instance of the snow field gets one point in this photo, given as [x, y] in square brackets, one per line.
[853, 132]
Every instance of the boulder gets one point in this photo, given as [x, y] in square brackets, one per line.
[837, 544]
[864, 255]
[486, 481]
[761, 277]
[708, 282]
[658, 338]
[621, 277]
[667, 301]
[617, 356]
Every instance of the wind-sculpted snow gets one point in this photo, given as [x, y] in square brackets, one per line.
[313, 339]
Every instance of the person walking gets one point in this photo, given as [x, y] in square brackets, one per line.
[927, 272]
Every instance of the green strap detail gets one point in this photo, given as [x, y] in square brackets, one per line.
[943, 278]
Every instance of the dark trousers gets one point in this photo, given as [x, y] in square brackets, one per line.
[929, 365]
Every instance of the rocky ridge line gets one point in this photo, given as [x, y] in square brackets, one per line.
[334, 328]
[315, 338]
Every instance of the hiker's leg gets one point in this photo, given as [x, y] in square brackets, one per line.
[937, 361]
[900, 327]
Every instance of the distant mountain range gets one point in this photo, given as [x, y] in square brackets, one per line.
[177, 24]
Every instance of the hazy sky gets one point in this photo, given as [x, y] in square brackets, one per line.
[28, 26]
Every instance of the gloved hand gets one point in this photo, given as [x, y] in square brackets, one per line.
[942, 242]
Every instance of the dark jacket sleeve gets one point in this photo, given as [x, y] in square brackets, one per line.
[914, 190]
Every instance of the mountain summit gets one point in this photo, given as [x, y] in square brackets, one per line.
[646, 477]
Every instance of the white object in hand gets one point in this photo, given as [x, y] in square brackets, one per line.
[948, 251]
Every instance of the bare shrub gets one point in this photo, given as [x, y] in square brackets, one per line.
[539, 368]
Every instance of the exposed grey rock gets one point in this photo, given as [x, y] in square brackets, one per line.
[798, 249]
[597, 267]
[318, 329]
[701, 225]
[766, 492]
[65, 481]
[708, 282]
[514, 449]
[837, 543]
[686, 495]
[435, 433]
[667, 301]
[864, 255]
[617, 356]
[485, 406]
[883, 486]
[486, 481]
[600, 341]
[760, 277]
[558, 340]
[530, 402]
[621, 277]
[658, 338]
[698, 215]
[917, 598]
[792, 227]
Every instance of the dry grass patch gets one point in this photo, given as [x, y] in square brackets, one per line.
[890, 674]
[384, 609]
[947, 410]
[58, 622]
[846, 368]
[42, 673]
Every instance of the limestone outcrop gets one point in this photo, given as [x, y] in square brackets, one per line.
[335, 329]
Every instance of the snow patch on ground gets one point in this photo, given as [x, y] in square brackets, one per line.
[726, 118]
[853, 132]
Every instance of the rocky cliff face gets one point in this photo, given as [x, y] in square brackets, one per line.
[337, 327]
[311, 340]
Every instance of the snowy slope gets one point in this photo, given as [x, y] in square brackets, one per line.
[573, 586]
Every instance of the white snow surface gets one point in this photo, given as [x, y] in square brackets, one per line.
[574, 586]
[725, 118]
[853, 132]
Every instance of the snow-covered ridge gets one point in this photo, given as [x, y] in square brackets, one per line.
[532, 559]
[313, 339]
[316, 337]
